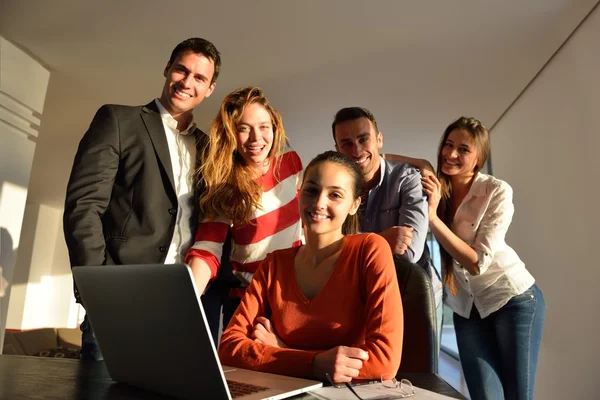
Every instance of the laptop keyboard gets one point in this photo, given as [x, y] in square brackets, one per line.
[239, 389]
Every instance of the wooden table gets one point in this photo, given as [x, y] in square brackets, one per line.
[54, 378]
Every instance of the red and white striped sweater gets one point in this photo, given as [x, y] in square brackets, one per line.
[275, 225]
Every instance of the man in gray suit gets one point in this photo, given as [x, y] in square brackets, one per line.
[131, 195]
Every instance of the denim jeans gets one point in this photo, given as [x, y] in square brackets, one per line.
[212, 309]
[499, 353]
[89, 346]
[229, 308]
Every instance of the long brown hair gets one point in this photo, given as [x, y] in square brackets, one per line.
[350, 225]
[445, 211]
[228, 185]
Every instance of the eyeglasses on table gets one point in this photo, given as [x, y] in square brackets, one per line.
[389, 381]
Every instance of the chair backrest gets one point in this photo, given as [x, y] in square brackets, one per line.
[419, 349]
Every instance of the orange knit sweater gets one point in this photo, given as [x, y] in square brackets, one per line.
[359, 306]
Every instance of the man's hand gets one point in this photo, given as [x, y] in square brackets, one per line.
[341, 363]
[264, 333]
[422, 164]
[427, 170]
[399, 238]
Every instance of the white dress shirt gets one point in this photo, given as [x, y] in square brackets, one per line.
[482, 220]
[182, 150]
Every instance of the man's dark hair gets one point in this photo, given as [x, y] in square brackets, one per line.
[198, 46]
[350, 114]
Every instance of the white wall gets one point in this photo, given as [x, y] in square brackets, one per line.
[42, 291]
[23, 83]
[546, 147]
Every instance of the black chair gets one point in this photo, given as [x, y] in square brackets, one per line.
[420, 347]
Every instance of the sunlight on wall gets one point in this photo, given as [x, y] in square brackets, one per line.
[42, 291]
[3, 284]
[38, 293]
[12, 207]
[47, 303]
[23, 85]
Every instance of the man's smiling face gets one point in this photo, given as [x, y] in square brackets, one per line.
[188, 83]
[359, 140]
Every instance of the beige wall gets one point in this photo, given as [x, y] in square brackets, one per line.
[546, 147]
[42, 294]
[23, 83]
[34, 266]
[42, 290]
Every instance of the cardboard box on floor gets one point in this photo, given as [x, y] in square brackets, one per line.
[34, 342]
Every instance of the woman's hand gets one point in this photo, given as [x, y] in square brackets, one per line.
[341, 363]
[264, 333]
[433, 189]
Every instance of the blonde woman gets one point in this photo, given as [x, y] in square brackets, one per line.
[498, 309]
[250, 182]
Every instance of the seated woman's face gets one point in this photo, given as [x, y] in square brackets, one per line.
[254, 134]
[326, 197]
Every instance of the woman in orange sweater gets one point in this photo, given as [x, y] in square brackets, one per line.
[338, 310]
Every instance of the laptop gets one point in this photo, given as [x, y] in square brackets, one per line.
[153, 334]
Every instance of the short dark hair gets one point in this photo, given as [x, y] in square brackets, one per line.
[350, 114]
[198, 46]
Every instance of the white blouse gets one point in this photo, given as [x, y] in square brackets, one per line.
[482, 220]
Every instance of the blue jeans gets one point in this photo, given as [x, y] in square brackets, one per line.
[212, 309]
[229, 308]
[499, 353]
[213, 305]
[89, 346]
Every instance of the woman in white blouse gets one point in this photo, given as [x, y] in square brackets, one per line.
[498, 309]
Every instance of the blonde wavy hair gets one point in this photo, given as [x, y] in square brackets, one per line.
[481, 137]
[227, 183]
